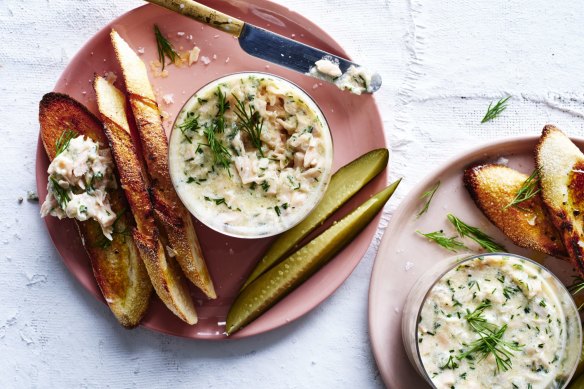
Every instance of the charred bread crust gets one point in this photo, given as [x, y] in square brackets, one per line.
[117, 267]
[492, 187]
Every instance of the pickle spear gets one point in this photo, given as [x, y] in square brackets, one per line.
[276, 283]
[347, 181]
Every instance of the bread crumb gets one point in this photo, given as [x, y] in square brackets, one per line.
[227, 60]
[156, 68]
[194, 55]
[214, 56]
[215, 36]
[140, 50]
[180, 33]
[205, 60]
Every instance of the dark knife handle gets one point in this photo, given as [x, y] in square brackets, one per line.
[203, 14]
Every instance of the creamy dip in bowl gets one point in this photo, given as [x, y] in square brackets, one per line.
[492, 321]
[250, 155]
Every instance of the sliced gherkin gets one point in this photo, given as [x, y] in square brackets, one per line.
[347, 181]
[283, 278]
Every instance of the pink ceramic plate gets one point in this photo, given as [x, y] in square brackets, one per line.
[354, 121]
[403, 255]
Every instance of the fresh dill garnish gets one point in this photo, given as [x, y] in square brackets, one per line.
[277, 209]
[527, 191]
[165, 48]
[577, 287]
[190, 124]
[249, 122]
[265, 185]
[61, 195]
[63, 142]
[484, 240]
[217, 201]
[438, 237]
[450, 364]
[490, 339]
[509, 291]
[495, 110]
[220, 153]
[428, 195]
[222, 107]
[197, 181]
[295, 185]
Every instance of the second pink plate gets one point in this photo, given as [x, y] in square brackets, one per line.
[403, 255]
[354, 121]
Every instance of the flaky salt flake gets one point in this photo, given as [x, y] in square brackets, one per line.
[168, 98]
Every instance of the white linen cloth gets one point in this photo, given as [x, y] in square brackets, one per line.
[442, 63]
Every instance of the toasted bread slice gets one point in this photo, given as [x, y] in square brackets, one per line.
[170, 212]
[167, 279]
[561, 168]
[118, 269]
[493, 188]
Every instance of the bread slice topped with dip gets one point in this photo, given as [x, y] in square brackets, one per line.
[493, 188]
[170, 213]
[83, 185]
[561, 168]
[164, 272]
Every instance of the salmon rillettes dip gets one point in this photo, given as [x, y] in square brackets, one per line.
[250, 155]
[495, 321]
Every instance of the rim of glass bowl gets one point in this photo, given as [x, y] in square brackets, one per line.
[459, 259]
[320, 113]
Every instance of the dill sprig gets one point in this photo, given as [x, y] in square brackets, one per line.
[250, 122]
[190, 124]
[428, 195]
[438, 237]
[222, 106]
[165, 48]
[577, 287]
[527, 191]
[490, 339]
[63, 142]
[220, 153]
[61, 194]
[450, 364]
[495, 110]
[484, 240]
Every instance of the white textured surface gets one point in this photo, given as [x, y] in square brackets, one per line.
[442, 62]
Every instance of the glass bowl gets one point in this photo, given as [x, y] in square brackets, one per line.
[448, 294]
[259, 218]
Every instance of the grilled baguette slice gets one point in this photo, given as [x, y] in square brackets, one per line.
[171, 214]
[561, 168]
[493, 187]
[117, 266]
[165, 275]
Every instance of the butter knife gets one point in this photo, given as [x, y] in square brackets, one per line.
[280, 50]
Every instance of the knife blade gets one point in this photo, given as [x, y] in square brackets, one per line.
[280, 50]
